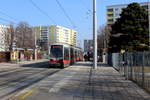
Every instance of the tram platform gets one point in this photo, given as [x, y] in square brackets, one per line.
[81, 82]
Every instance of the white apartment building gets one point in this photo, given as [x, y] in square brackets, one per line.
[114, 11]
[59, 34]
[54, 34]
[3, 42]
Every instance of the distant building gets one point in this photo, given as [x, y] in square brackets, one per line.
[41, 35]
[73, 38]
[88, 46]
[59, 34]
[114, 11]
[54, 34]
[3, 35]
[79, 43]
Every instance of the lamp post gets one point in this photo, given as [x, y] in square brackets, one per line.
[35, 47]
[94, 34]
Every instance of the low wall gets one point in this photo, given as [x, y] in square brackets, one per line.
[4, 56]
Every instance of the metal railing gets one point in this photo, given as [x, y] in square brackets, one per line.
[134, 66]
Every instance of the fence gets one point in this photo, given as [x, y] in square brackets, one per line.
[134, 66]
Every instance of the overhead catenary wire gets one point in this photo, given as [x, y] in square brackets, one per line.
[42, 11]
[10, 17]
[66, 14]
[89, 11]
[6, 20]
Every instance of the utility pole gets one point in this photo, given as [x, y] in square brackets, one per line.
[48, 41]
[35, 48]
[149, 22]
[94, 34]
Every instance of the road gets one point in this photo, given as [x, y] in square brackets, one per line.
[13, 80]
[81, 82]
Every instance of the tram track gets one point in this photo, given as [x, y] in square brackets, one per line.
[12, 86]
[22, 76]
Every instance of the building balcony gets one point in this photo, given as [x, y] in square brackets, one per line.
[109, 23]
[109, 18]
[110, 12]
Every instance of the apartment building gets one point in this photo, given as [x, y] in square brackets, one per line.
[41, 33]
[3, 35]
[88, 46]
[54, 34]
[73, 37]
[114, 11]
[60, 34]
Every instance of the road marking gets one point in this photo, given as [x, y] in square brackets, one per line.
[25, 95]
[22, 95]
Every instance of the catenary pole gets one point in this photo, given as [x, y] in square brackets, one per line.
[149, 22]
[94, 34]
[35, 48]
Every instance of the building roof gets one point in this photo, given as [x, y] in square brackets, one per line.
[111, 6]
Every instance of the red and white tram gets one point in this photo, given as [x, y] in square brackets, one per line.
[63, 55]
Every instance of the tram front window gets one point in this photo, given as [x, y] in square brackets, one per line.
[56, 52]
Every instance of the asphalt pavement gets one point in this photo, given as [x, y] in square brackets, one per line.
[81, 82]
[23, 64]
[14, 79]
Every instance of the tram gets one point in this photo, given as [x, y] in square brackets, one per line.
[63, 55]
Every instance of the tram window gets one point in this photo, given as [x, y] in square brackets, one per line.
[66, 53]
[56, 51]
[76, 53]
[71, 53]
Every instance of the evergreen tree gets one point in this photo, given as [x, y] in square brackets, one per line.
[130, 31]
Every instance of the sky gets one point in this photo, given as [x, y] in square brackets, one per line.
[79, 11]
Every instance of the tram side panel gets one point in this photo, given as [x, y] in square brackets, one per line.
[66, 60]
[71, 56]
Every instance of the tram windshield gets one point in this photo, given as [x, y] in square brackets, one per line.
[56, 51]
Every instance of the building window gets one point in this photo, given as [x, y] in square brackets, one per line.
[110, 10]
[117, 14]
[110, 15]
[116, 9]
[110, 20]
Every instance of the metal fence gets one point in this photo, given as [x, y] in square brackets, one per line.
[134, 66]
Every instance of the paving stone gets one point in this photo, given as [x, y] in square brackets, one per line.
[80, 82]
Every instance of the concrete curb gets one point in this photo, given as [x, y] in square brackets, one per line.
[24, 64]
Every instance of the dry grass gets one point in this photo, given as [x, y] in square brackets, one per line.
[139, 69]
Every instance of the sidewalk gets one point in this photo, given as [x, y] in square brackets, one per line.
[21, 63]
[80, 82]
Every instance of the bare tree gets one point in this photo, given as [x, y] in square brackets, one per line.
[24, 36]
[103, 37]
[107, 36]
[9, 36]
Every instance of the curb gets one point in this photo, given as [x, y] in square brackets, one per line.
[27, 64]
